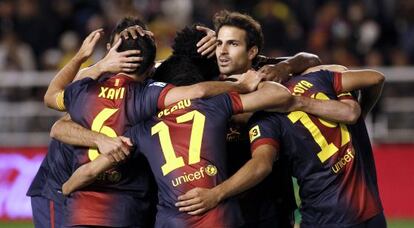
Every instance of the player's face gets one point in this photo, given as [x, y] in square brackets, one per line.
[232, 54]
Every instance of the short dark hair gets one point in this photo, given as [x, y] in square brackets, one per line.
[254, 34]
[143, 43]
[123, 24]
[186, 66]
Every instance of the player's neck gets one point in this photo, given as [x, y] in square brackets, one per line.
[139, 78]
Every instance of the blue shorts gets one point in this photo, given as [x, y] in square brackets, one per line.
[46, 213]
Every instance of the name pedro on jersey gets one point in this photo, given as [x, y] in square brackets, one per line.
[180, 105]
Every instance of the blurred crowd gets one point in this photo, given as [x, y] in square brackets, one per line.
[45, 34]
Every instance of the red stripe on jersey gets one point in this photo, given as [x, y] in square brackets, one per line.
[264, 141]
[236, 103]
[52, 213]
[337, 82]
[163, 94]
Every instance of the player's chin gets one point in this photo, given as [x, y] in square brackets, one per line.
[226, 70]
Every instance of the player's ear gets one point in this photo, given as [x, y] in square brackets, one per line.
[252, 53]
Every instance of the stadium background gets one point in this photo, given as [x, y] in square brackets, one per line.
[37, 37]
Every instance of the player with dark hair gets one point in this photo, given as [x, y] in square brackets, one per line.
[239, 42]
[333, 162]
[46, 198]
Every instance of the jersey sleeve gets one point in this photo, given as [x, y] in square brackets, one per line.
[264, 129]
[146, 102]
[227, 103]
[335, 81]
[237, 105]
[72, 93]
[163, 94]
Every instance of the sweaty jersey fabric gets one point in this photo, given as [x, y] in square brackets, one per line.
[110, 105]
[336, 187]
[185, 147]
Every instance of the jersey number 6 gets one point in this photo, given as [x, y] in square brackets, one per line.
[98, 126]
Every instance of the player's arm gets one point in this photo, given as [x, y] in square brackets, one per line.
[69, 132]
[200, 200]
[68, 72]
[340, 111]
[245, 83]
[272, 96]
[370, 82]
[86, 174]
[296, 64]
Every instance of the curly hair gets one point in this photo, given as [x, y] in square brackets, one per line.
[186, 66]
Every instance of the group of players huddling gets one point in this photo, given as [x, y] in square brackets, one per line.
[209, 138]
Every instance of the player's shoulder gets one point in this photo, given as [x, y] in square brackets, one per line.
[318, 74]
[80, 83]
[263, 116]
[218, 100]
[152, 83]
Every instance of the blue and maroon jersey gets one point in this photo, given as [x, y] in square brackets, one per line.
[325, 159]
[185, 147]
[49, 184]
[271, 200]
[110, 105]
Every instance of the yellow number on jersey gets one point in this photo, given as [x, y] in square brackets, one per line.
[173, 162]
[327, 149]
[98, 126]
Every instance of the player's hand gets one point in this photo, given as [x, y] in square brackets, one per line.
[207, 45]
[89, 44]
[116, 149]
[276, 72]
[115, 62]
[134, 31]
[248, 81]
[197, 201]
[65, 189]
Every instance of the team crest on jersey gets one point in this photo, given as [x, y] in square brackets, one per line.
[254, 133]
[211, 170]
[159, 84]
